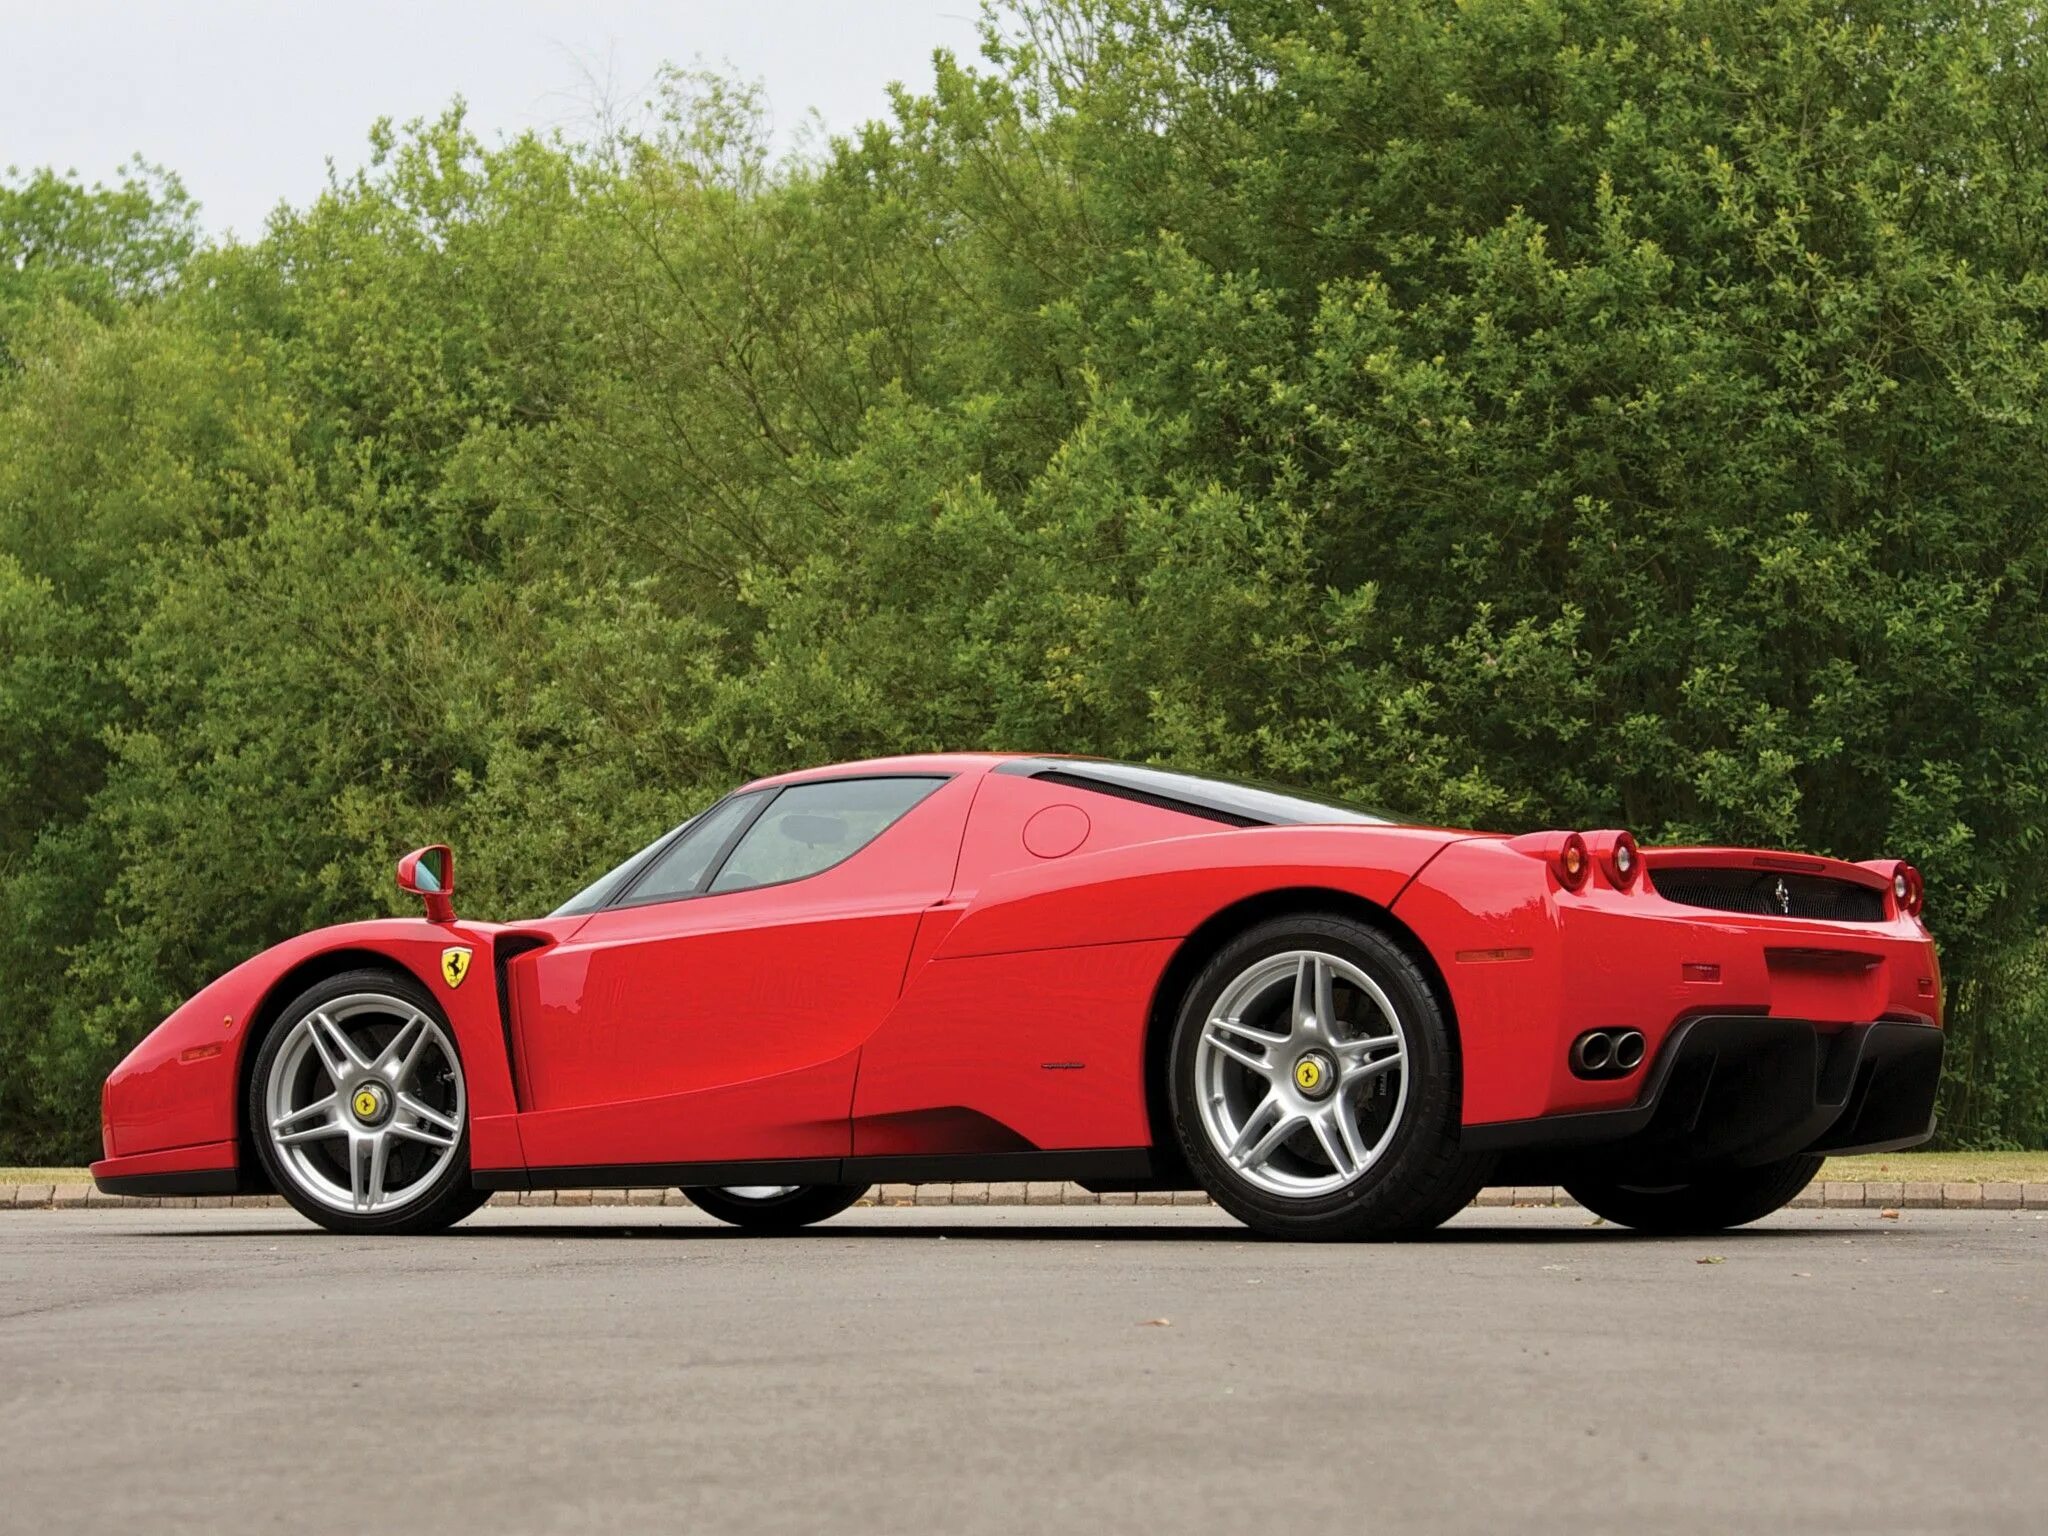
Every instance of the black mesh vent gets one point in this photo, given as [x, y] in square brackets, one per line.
[1769, 893]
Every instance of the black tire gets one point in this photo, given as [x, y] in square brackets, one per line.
[1422, 1177]
[1711, 1205]
[801, 1207]
[442, 1203]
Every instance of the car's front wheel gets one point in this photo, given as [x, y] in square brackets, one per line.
[1315, 1087]
[1710, 1204]
[358, 1109]
[775, 1207]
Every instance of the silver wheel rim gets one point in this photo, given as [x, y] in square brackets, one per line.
[365, 1103]
[759, 1191]
[1282, 1127]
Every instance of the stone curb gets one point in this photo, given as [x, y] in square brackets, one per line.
[1875, 1196]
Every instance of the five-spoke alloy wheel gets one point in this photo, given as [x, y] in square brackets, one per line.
[358, 1109]
[1301, 1071]
[1314, 1084]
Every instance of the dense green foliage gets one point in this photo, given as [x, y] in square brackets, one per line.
[1523, 412]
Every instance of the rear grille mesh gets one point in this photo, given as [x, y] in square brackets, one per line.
[1770, 893]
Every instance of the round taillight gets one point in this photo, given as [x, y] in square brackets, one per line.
[1572, 863]
[1916, 889]
[1623, 860]
[1901, 887]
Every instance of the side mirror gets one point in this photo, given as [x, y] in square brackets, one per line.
[429, 873]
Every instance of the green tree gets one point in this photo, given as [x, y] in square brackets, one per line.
[1514, 412]
[97, 247]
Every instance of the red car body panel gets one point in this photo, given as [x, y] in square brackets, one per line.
[1529, 964]
[728, 1027]
[1066, 957]
[181, 1087]
[1036, 1048]
[1165, 890]
[988, 977]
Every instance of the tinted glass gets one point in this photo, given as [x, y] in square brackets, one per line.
[679, 868]
[1232, 800]
[615, 879]
[814, 826]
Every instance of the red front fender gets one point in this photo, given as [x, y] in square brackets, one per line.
[174, 1102]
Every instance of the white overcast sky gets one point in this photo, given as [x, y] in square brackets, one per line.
[247, 101]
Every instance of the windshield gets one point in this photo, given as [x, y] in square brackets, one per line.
[616, 879]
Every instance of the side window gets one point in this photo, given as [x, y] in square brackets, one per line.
[679, 869]
[811, 827]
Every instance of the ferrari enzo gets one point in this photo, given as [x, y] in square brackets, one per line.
[939, 968]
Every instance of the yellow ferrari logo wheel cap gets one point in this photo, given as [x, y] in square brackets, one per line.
[1313, 1074]
[366, 1104]
[454, 965]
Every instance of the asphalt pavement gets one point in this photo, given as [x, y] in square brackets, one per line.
[1021, 1369]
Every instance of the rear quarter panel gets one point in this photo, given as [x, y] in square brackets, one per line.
[1167, 889]
[1030, 1016]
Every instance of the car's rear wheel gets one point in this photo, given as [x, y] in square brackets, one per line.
[1711, 1204]
[1315, 1087]
[775, 1207]
[358, 1108]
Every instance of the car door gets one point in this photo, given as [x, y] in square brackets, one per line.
[715, 1010]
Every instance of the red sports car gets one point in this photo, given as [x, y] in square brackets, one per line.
[1002, 967]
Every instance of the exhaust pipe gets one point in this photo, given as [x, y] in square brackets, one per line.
[1607, 1052]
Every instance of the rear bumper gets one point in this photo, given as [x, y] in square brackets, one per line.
[1529, 967]
[1738, 1090]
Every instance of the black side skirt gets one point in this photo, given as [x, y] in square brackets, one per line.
[1111, 1164]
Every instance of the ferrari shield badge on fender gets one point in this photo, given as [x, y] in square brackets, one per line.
[454, 965]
